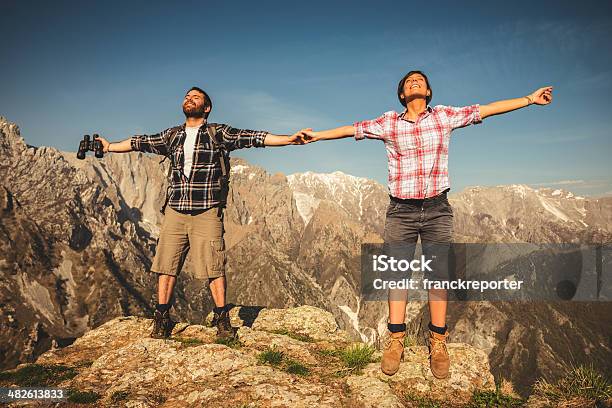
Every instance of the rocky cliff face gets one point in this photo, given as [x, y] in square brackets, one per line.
[69, 258]
[125, 368]
[78, 238]
[361, 199]
[519, 213]
[524, 340]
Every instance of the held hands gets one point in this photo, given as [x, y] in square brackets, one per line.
[303, 136]
[309, 136]
[297, 138]
[542, 96]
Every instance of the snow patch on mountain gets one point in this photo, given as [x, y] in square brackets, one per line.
[353, 194]
[553, 210]
[239, 168]
[519, 189]
[242, 169]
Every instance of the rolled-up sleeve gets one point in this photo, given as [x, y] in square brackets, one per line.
[462, 116]
[242, 138]
[372, 129]
[157, 143]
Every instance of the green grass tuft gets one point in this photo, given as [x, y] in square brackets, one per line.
[295, 367]
[277, 358]
[271, 356]
[188, 341]
[34, 375]
[485, 399]
[296, 336]
[231, 342]
[422, 402]
[358, 356]
[577, 382]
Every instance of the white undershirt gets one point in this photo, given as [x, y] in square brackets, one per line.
[188, 148]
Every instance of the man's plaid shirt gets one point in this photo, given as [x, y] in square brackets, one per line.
[418, 151]
[199, 190]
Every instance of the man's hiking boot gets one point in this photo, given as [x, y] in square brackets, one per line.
[162, 325]
[439, 361]
[222, 322]
[393, 353]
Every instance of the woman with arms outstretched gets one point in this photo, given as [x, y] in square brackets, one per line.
[417, 143]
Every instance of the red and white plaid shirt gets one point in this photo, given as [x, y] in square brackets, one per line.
[418, 151]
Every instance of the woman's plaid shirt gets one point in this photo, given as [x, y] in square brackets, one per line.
[418, 151]
[199, 190]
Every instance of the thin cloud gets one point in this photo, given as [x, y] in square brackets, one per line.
[590, 186]
[559, 183]
[260, 110]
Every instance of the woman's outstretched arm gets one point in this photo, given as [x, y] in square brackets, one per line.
[542, 96]
[337, 133]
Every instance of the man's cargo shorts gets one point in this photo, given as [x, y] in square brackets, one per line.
[202, 233]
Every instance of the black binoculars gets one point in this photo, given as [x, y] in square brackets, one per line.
[90, 145]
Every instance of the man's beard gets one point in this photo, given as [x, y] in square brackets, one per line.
[192, 111]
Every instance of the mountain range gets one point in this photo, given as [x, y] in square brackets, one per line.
[77, 239]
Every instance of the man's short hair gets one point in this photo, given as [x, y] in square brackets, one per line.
[400, 87]
[207, 100]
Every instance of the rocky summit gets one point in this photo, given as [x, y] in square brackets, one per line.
[118, 365]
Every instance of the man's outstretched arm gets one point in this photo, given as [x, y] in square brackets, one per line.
[157, 144]
[542, 96]
[116, 147]
[234, 138]
[284, 140]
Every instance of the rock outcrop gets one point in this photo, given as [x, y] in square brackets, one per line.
[126, 368]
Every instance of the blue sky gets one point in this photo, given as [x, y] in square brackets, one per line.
[70, 68]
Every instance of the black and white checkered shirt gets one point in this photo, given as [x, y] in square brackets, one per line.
[201, 189]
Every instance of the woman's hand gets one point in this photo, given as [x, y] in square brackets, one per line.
[542, 96]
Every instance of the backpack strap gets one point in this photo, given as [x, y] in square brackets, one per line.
[169, 186]
[224, 162]
[174, 130]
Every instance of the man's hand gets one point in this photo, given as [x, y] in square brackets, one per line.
[105, 143]
[284, 140]
[298, 137]
[309, 136]
[542, 96]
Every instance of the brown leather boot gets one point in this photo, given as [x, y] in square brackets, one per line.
[393, 353]
[439, 362]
